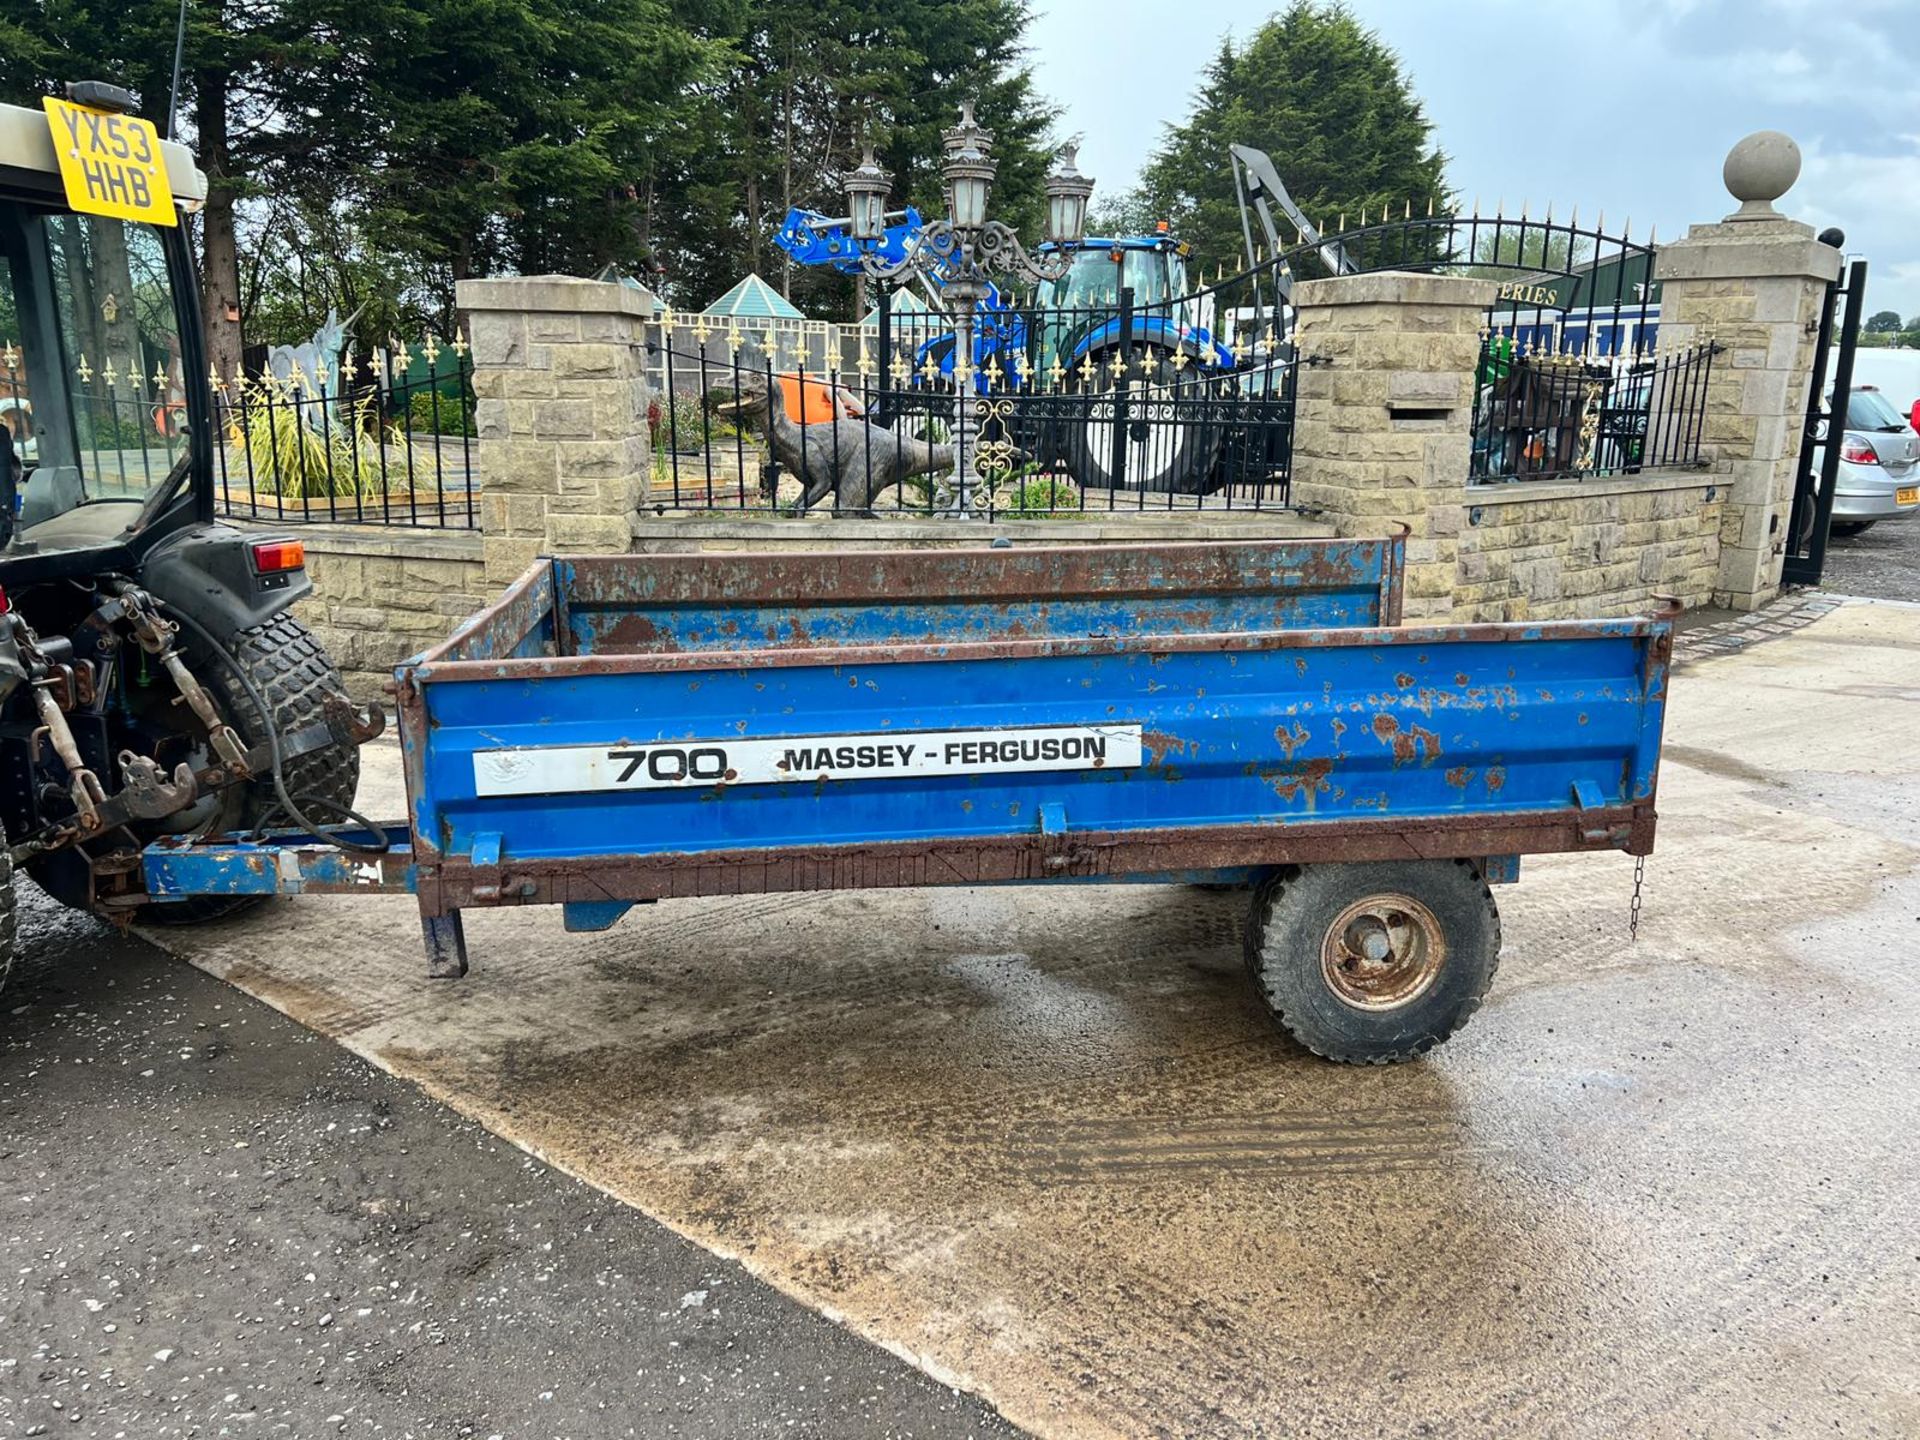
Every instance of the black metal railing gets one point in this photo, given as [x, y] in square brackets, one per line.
[388, 443]
[1546, 414]
[1179, 404]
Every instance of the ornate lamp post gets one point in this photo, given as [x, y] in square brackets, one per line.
[961, 253]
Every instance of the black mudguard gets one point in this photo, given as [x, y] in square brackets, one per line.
[208, 574]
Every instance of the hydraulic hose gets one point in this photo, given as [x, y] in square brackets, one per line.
[299, 817]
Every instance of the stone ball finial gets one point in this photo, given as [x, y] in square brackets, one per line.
[1760, 169]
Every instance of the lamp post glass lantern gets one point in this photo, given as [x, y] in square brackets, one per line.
[866, 186]
[957, 255]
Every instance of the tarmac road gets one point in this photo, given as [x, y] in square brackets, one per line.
[1884, 562]
[1049, 1146]
[214, 1222]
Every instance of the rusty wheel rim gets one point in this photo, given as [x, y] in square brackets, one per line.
[1383, 952]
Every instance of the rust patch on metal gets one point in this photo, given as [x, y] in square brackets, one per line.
[1460, 776]
[1416, 742]
[1158, 745]
[1496, 778]
[1302, 782]
[1291, 738]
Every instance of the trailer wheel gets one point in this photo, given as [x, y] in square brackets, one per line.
[287, 665]
[1373, 963]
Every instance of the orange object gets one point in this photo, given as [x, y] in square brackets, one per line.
[811, 402]
[271, 557]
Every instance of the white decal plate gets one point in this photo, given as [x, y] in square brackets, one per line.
[573, 769]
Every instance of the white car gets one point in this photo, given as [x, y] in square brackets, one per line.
[1879, 476]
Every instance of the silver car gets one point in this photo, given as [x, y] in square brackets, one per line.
[1879, 464]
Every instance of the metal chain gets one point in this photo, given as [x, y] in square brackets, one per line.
[1633, 907]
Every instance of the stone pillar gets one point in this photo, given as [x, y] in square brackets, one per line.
[1383, 417]
[1753, 283]
[559, 375]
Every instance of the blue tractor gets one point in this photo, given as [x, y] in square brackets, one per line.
[1162, 436]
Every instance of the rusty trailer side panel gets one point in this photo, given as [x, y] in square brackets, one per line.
[718, 724]
[627, 605]
[626, 729]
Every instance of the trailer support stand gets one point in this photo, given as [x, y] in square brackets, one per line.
[446, 939]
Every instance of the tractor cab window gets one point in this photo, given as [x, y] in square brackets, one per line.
[91, 383]
[1097, 278]
[16, 395]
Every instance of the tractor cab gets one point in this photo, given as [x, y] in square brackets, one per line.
[1079, 315]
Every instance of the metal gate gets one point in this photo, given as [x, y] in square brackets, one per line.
[1813, 492]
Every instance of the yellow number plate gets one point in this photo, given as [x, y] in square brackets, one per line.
[111, 164]
[1907, 495]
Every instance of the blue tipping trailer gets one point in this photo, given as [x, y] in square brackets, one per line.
[623, 730]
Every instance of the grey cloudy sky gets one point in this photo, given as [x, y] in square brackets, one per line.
[1626, 106]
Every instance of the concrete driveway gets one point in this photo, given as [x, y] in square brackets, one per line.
[1047, 1145]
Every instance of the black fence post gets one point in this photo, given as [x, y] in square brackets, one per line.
[1120, 384]
[885, 311]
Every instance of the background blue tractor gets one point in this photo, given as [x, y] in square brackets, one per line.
[1162, 437]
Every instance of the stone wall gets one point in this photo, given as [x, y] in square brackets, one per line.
[1753, 284]
[1536, 551]
[559, 372]
[1383, 414]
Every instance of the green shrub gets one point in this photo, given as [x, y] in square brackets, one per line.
[287, 458]
[686, 423]
[1038, 497]
[430, 413]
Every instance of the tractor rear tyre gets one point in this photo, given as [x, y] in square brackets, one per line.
[290, 670]
[1373, 963]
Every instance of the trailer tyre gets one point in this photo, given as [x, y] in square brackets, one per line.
[294, 674]
[1373, 963]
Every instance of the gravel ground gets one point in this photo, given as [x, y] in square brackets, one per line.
[213, 1222]
[1883, 563]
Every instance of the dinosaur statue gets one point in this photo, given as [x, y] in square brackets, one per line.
[848, 458]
